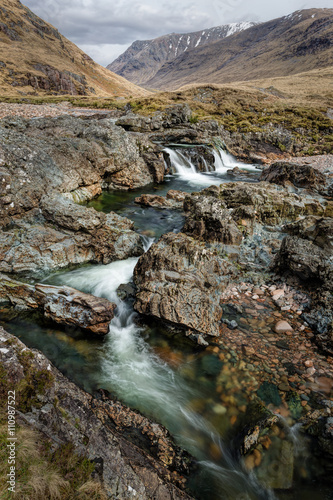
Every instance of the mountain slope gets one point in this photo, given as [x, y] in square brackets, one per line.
[35, 57]
[300, 42]
[141, 61]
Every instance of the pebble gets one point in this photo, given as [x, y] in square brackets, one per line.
[282, 327]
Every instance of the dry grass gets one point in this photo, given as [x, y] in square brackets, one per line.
[41, 474]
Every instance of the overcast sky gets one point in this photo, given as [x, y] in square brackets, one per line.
[105, 28]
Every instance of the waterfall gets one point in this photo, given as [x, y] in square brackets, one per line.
[186, 170]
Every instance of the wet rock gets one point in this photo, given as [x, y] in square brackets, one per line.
[201, 157]
[181, 281]
[304, 176]
[207, 219]
[242, 174]
[63, 305]
[249, 427]
[136, 454]
[173, 200]
[126, 291]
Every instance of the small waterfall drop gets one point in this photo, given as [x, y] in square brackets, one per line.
[186, 170]
[183, 167]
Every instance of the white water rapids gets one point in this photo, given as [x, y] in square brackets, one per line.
[132, 371]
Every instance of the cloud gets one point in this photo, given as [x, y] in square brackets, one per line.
[103, 27]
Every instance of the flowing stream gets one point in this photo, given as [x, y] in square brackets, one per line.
[166, 378]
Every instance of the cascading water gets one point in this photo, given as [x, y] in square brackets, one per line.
[132, 371]
[186, 170]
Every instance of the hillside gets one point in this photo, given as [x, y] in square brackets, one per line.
[36, 58]
[143, 59]
[296, 43]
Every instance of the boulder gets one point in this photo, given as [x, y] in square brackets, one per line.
[209, 220]
[106, 432]
[304, 176]
[63, 305]
[306, 260]
[181, 281]
[65, 154]
[267, 203]
[170, 117]
[65, 234]
[319, 230]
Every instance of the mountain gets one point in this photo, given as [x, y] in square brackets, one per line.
[143, 59]
[36, 58]
[296, 43]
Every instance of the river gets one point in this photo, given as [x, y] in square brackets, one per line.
[165, 376]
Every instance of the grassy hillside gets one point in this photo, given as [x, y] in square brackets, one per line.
[36, 59]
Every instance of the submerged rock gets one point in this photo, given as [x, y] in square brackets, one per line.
[173, 199]
[181, 281]
[61, 304]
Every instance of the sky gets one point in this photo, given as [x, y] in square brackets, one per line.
[105, 28]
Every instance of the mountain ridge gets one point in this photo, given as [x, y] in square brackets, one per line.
[141, 61]
[301, 41]
[36, 59]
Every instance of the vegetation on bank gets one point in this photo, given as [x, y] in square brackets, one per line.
[238, 109]
[42, 470]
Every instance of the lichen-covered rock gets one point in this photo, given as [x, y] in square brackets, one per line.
[103, 430]
[268, 203]
[64, 154]
[63, 305]
[209, 220]
[181, 281]
[319, 230]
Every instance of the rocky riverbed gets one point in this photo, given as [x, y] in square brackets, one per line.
[247, 277]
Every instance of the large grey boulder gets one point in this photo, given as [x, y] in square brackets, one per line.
[63, 154]
[181, 281]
